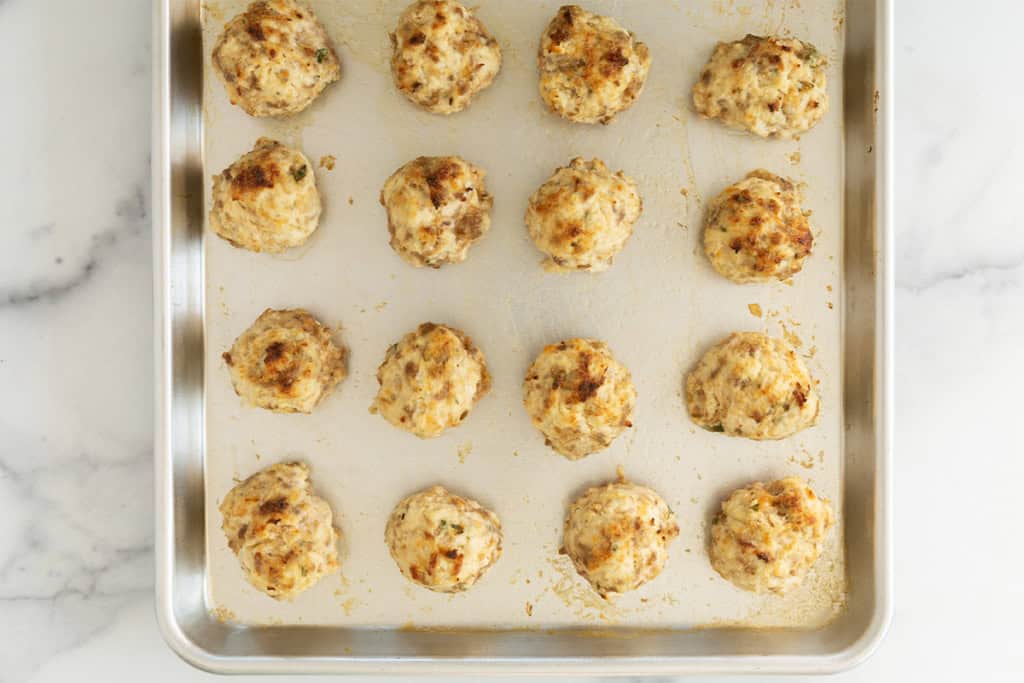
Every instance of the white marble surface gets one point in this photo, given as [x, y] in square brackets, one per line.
[75, 346]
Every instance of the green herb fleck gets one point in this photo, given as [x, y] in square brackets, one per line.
[299, 173]
[458, 528]
[443, 524]
[756, 506]
[716, 428]
[321, 55]
[813, 57]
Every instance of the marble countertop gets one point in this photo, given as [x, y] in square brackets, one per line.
[76, 574]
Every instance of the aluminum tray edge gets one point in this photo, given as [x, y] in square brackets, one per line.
[190, 651]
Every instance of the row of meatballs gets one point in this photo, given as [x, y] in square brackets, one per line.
[577, 394]
[764, 538]
[580, 218]
[580, 398]
[275, 58]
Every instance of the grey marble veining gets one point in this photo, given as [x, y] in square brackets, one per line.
[76, 321]
[75, 325]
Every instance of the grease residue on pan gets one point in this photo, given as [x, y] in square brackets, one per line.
[659, 308]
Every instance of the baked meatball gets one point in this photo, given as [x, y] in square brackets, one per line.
[442, 541]
[766, 537]
[590, 67]
[442, 55]
[275, 58]
[285, 362]
[430, 380]
[579, 397]
[267, 200]
[767, 86]
[582, 216]
[281, 532]
[437, 208]
[617, 536]
[752, 385]
[756, 231]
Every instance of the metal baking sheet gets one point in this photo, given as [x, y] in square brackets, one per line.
[659, 308]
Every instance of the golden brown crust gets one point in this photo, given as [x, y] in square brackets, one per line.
[769, 86]
[442, 541]
[766, 537]
[756, 230]
[252, 177]
[430, 380]
[275, 58]
[437, 208]
[579, 397]
[590, 67]
[286, 362]
[267, 201]
[281, 532]
[442, 55]
[617, 536]
[754, 386]
[582, 216]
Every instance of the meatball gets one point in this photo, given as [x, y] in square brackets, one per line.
[752, 385]
[756, 231]
[590, 67]
[267, 200]
[579, 397]
[617, 536]
[766, 537]
[767, 86]
[443, 55]
[275, 58]
[285, 362]
[442, 541]
[281, 532]
[430, 380]
[437, 208]
[582, 216]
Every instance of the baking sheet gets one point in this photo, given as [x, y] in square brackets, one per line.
[660, 307]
